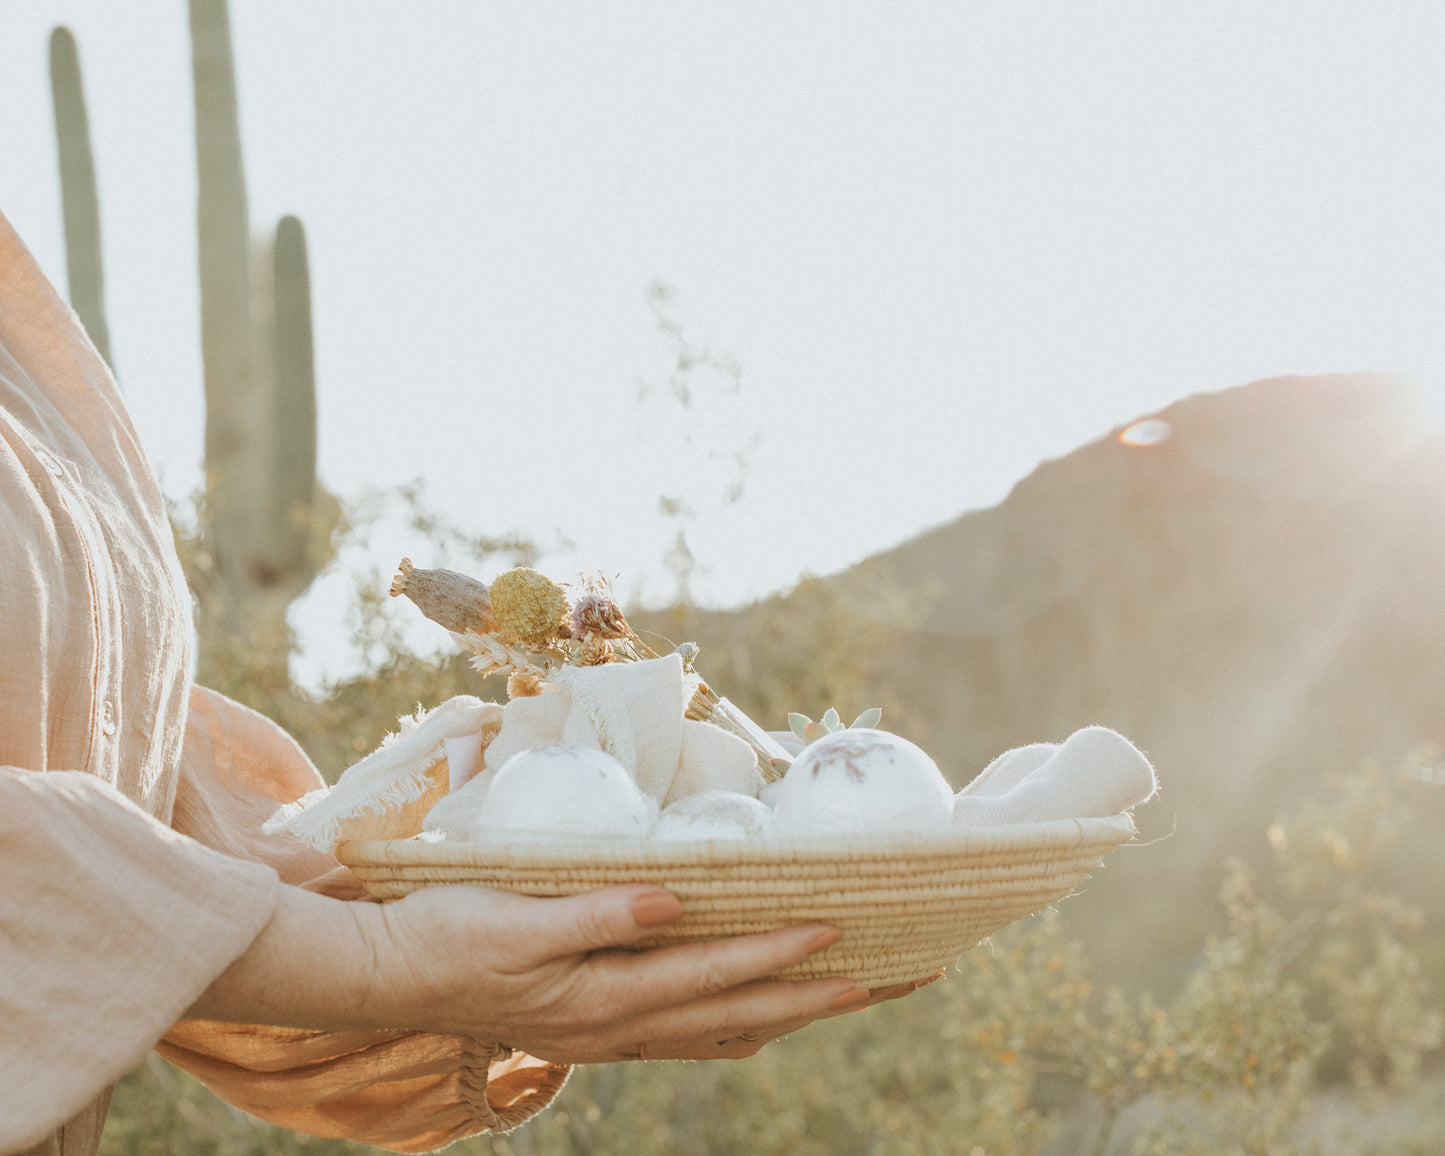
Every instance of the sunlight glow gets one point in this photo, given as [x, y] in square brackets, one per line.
[1151, 431]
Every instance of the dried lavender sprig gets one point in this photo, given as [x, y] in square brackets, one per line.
[773, 759]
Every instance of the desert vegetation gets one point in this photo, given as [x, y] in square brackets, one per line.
[1307, 1019]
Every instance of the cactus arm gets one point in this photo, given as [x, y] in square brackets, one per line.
[294, 398]
[235, 414]
[79, 202]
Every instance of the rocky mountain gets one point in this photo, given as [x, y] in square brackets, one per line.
[1249, 584]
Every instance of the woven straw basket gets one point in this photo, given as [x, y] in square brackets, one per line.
[907, 905]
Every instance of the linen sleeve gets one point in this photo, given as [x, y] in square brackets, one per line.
[111, 926]
[403, 1090]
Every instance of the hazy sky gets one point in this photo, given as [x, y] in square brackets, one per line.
[943, 241]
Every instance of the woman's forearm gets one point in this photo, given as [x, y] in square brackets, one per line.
[311, 966]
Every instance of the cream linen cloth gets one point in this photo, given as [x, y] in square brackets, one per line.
[1092, 774]
[634, 712]
[389, 779]
[115, 914]
[631, 710]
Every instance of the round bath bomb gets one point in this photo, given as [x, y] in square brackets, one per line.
[564, 791]
[861, 780]
[768, 796]
[712, 815]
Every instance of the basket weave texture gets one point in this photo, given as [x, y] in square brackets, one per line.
[907, 904]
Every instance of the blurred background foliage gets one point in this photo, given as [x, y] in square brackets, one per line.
[1305, 1020]
[1300, 1016]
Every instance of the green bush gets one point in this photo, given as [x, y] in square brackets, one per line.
[1019, 1045]
[1312, 998]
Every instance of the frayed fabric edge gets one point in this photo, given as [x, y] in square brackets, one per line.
[392, 776]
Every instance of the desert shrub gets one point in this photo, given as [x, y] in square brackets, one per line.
[1315, 983]
[1019, 1045]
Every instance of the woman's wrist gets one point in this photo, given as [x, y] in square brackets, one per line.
[312, 966]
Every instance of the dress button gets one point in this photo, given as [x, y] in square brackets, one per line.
[107, 718]
[49, 463]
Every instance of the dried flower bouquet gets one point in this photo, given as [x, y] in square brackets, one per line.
[525, 625]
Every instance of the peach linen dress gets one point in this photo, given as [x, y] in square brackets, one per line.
[132, 868]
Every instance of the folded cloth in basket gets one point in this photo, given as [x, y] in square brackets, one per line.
[392, 778]
[633, 711]
[1091, 775]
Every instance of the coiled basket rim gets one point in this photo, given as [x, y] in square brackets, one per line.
[908, 903]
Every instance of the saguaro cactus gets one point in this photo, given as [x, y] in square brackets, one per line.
[268, 528]
[79, 202]
[260, 385]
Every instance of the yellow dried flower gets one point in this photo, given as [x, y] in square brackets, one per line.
[525, 684]
[529, 607]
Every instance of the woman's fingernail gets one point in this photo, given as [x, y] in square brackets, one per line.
[656, 908]
[849, 997]
[925, 982]
[824, 940]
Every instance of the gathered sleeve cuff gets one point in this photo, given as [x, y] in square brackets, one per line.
[111, 926]
[404, 1090]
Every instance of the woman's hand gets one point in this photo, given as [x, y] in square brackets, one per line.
[551, 977]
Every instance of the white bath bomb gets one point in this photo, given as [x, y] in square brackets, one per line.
[861, 780]
[564, 791]
[768, 796]
[712, 815]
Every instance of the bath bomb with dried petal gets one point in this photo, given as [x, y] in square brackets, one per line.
[768, 796]
[712, 815]
[564, 791]
[861, 780]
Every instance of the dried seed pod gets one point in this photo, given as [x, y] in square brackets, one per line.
[449, 599]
